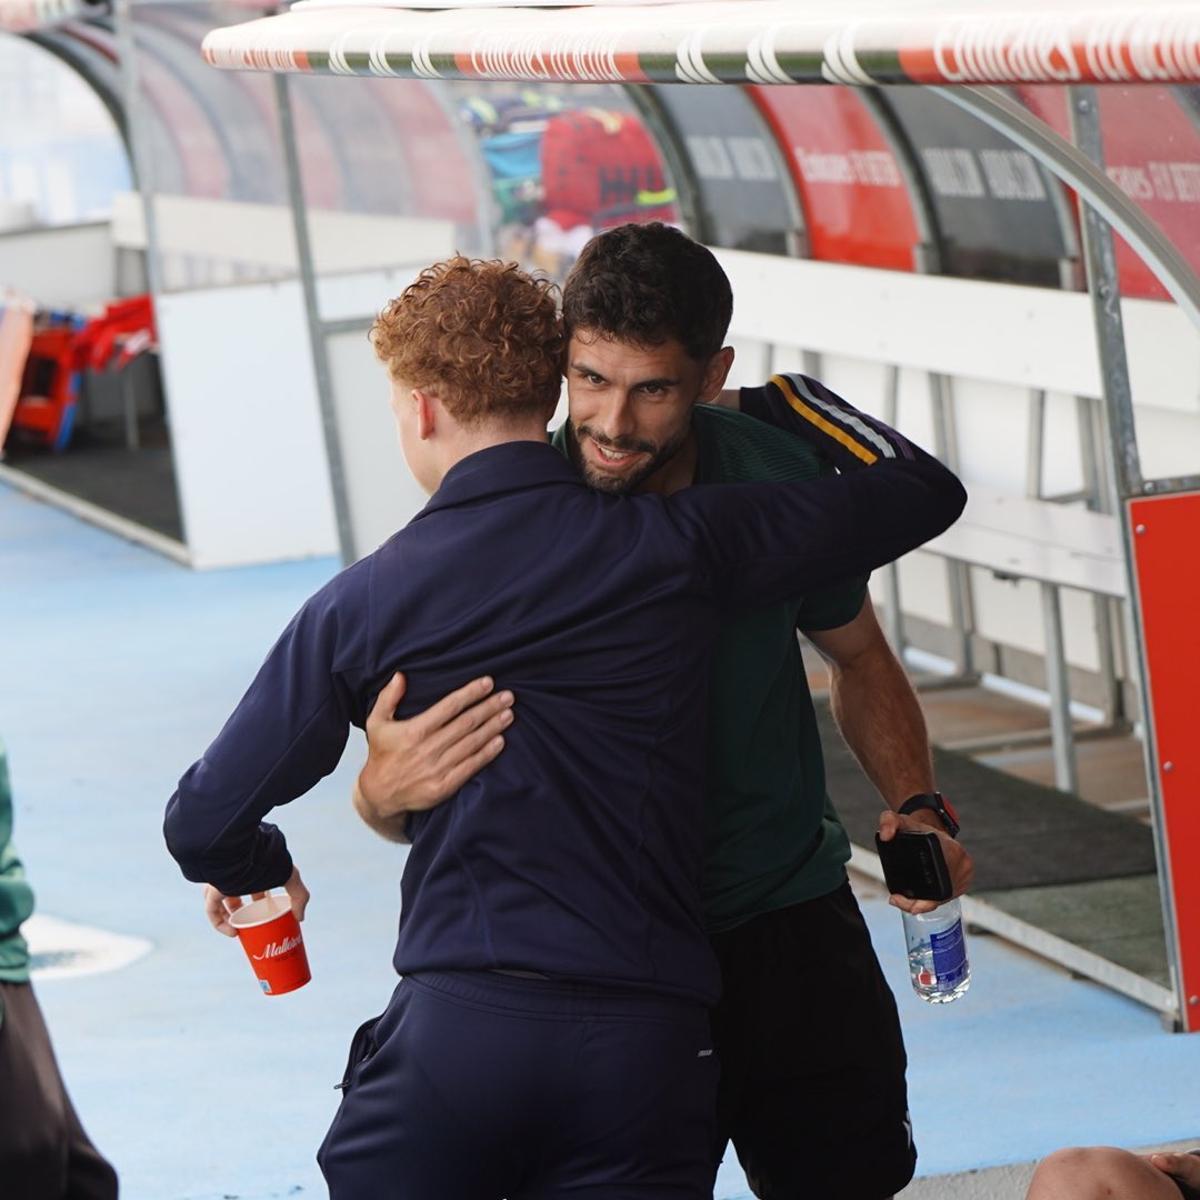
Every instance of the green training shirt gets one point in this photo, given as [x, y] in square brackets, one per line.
[16, 896]
[772, 837]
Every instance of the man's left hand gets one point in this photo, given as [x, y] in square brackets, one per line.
[958, 861]
[219, 907]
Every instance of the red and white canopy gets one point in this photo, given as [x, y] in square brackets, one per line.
[735, 41]
[28, 16]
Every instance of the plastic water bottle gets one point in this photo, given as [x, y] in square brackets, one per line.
[937, 953]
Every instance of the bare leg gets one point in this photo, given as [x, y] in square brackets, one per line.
[1099, 1173]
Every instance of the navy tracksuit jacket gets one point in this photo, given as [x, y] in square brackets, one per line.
[577, 852]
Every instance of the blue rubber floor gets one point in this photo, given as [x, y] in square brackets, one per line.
[117, 667]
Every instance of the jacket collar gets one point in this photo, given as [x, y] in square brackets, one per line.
[508, 467]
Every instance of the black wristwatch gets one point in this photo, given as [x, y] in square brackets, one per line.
[935, 802]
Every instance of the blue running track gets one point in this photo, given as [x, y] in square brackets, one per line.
[117, 667]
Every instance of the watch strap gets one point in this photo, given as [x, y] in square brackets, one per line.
[935, 802]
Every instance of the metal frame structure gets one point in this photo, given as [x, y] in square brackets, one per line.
[842, 59]
[965, 52]
[317, 333]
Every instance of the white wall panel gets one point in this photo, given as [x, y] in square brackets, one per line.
[923, 587]
[1006, 611]
[72, 266]
[751, 362]
[967, 328]
[1169, 441]
[262, 234]
[1079, 630]
[914, 412]
[382, 495]
[996, 342]
[993, 422]
[245, 428]
[864, 384]
[360, 295]
[1062, 461]
[787, 356]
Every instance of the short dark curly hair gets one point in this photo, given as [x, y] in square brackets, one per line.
[649, 284]
[485, 336]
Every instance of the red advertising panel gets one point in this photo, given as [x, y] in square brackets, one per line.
[852, 190]
[1166, 532]
[1152, 152]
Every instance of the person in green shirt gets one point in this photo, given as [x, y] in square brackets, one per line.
[813, 1092]
[44, 1152]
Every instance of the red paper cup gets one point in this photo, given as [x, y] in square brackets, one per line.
[271, 937]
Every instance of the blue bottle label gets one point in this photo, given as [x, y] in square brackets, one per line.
[949, 956]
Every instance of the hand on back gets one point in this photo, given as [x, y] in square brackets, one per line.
[1184, 1167]
[416, 764]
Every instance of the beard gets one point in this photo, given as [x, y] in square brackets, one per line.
[618, 485]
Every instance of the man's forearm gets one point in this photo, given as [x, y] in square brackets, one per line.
[223, 844]
[880, 717]
[881, 720]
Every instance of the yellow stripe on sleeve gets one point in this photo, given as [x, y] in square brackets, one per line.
[784, 384]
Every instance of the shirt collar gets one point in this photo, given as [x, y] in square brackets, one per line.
[508, 467]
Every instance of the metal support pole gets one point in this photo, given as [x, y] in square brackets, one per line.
[893, 616]
[1122, 636]
[1090, 456]
[1066, 772]
[958, 574]
[1121, 472]
[1100, 257]
[143, 161]
[1102, 622]
[1099, 500]
[1104, 286]
[143, 170]
[129, 407]
[312, 313]
[1035, 443]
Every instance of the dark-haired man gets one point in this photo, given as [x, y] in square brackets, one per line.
[549, 1036]
[812, 1089]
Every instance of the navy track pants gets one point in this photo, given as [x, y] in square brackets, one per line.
[481, 1086]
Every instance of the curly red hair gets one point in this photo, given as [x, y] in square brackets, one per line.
[483, 336]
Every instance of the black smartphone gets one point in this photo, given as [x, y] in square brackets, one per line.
[914, 866]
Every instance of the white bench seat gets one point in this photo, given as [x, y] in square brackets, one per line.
[1039, 540]
[1055, 546]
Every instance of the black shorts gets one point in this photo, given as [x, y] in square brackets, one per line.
[812, 1090]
